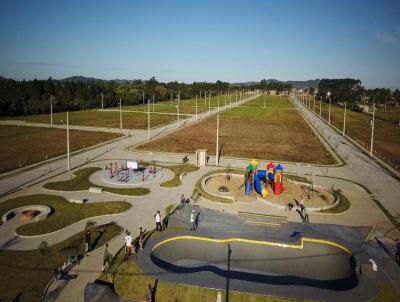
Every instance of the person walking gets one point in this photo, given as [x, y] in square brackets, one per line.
[141, 238]
[106, 255]
[158, 221]
[193, 221]
[149, 294]
[128, 244]
[87, 242]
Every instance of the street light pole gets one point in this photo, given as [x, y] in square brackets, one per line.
[179, 98]
[344, 119]
[328, 94]
[51, 110]
[102, 100]
[320, 107]
[68, 158]
[216, 151]
[196, 108]
[120, 114]
[372, 131]
[314, 103]
[148, 119]
[153, 102]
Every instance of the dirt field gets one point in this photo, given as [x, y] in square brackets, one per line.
[21, 146]
[96, 118]
[264, 133]
[386, 137]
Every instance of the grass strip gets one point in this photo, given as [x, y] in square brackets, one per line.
[24, 274]
[81, 182]
[178, 170]
[63, 214]
[343, 206]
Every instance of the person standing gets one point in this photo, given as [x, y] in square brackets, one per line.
[141, 238]
[158, 221]
[128, 244]
[106, 255]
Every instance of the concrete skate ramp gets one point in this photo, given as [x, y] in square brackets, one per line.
[310, 262]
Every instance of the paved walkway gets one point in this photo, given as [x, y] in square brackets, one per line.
[359, 168]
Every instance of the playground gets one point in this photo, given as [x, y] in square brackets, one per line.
[269, 185]
[131, 173]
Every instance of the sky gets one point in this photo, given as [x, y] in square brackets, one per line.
[233, 41]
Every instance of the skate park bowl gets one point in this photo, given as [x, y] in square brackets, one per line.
[308, 262]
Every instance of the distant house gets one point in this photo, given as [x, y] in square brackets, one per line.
[364, 108]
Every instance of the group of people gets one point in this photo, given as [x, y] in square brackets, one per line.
[300, 208]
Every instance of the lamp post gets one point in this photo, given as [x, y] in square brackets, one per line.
[314, 102]
[120, 114]
[344, 120]
[148, 119]
[328, 94]
[372, 131]
[102, 100]
[68, 158]
[177, 108]
[216, 149]
[196, 108]
[51, 110]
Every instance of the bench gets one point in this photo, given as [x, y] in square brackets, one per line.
[76, 200]
[95, 190]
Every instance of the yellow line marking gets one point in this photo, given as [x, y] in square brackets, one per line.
[270, 243]
[263, 223]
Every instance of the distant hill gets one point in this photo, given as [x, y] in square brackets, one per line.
[295, 84]
[81, 79]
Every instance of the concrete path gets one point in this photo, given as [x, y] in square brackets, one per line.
[359, 168]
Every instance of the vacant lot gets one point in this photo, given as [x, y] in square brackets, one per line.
[97, 118]
[358, 127]
[270, 101]
[252, 132]
[21, 146]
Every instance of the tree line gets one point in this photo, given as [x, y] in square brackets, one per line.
[33, 97]
[353, 93]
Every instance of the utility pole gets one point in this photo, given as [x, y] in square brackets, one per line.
[372, 131]
[314, 103]
[177, 107]
[196, 109]
[148, 119]
[344, 119]
[68, 159]
[320, 107]
[265, 99]
[153, 102]
[120, 114]
[51, 110]
[205, 99]
[102, 100]
[216, 151]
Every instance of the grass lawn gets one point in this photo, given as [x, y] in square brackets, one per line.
[22, 146]
[343, 206]
[64, 212]
[131, 282]
[178, 170]
[277, 134]
[97, 118]
[24, 274]
[81, 182]
[270, 101]
[386, 136]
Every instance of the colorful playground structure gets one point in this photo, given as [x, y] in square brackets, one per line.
[261, 179]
